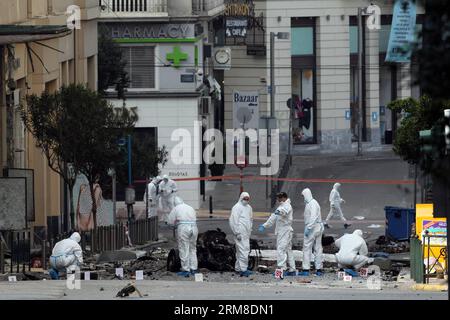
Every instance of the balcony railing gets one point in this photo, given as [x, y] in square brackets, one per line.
[207, 7]
[133, 8]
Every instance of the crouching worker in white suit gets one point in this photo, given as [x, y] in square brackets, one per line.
[184, 218]
[66, 256]
[352, 251]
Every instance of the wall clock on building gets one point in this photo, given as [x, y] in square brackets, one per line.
[222, 58]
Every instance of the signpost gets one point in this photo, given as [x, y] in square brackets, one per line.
[241, 163]
[237, 14]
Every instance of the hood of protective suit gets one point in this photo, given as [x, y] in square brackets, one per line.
[75, 237]
[336, 186]
[165, 177]
[307, 195]
[178, 201]
[358, 233]
[158, 178]
[243, 195]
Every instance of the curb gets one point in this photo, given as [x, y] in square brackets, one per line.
[430, 287]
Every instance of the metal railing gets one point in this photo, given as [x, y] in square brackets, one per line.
[18, 248]
[205, 6]
[426, 247]
[132, 8]
[118, 236]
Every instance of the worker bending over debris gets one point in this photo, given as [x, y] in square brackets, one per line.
[335, 206]
[184, 218]
[312, 235]
[66, 256]
[168, 189]
[283, 218]
[352, 251]
[241, 221]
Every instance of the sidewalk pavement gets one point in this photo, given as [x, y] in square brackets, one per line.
[293, 288]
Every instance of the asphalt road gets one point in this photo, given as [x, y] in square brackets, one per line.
[190, 290]
[365, 200]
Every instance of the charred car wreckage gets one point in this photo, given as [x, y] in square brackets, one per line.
[214, 253]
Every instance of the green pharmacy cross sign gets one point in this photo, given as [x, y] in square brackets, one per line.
[176, 56]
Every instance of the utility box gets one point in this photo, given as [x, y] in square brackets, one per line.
[435, 226]
[399, 223]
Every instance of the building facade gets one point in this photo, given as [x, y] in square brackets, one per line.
[167, 45]
[317, 69]
[70, 57]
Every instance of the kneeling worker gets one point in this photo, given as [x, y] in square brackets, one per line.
[66, 256]
[352, 251]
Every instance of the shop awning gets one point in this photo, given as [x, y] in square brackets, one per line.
[22, 34]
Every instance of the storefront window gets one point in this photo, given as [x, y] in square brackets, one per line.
[354, 102]
[303, 115]
[353, 39]
[302, 41]
[303, 88]
[354, 82]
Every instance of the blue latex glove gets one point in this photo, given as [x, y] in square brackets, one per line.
[307, 233]
[277, 213]
[261, 228]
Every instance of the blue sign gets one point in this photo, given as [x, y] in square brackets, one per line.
[374, 116]
[348, 114]
[401, 37]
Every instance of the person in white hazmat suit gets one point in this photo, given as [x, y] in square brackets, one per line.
[152, 198]
[312, 235]
[241, 222]
[352, 251]
[335, 206]
[66, 255]
[184, 218]
[282, 218]
[168, 189]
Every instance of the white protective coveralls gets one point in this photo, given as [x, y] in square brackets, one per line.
[152, 197]
[241, 222]
[335, 204]
[314, 229]
[283, 217]
[67, 254]
[352, 251]
[184, 218]
[167, 189]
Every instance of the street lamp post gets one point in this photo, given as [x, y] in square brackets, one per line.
[361, 11]
[280, 36]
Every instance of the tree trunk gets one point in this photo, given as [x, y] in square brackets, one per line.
[94, 204]
[71, 215]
